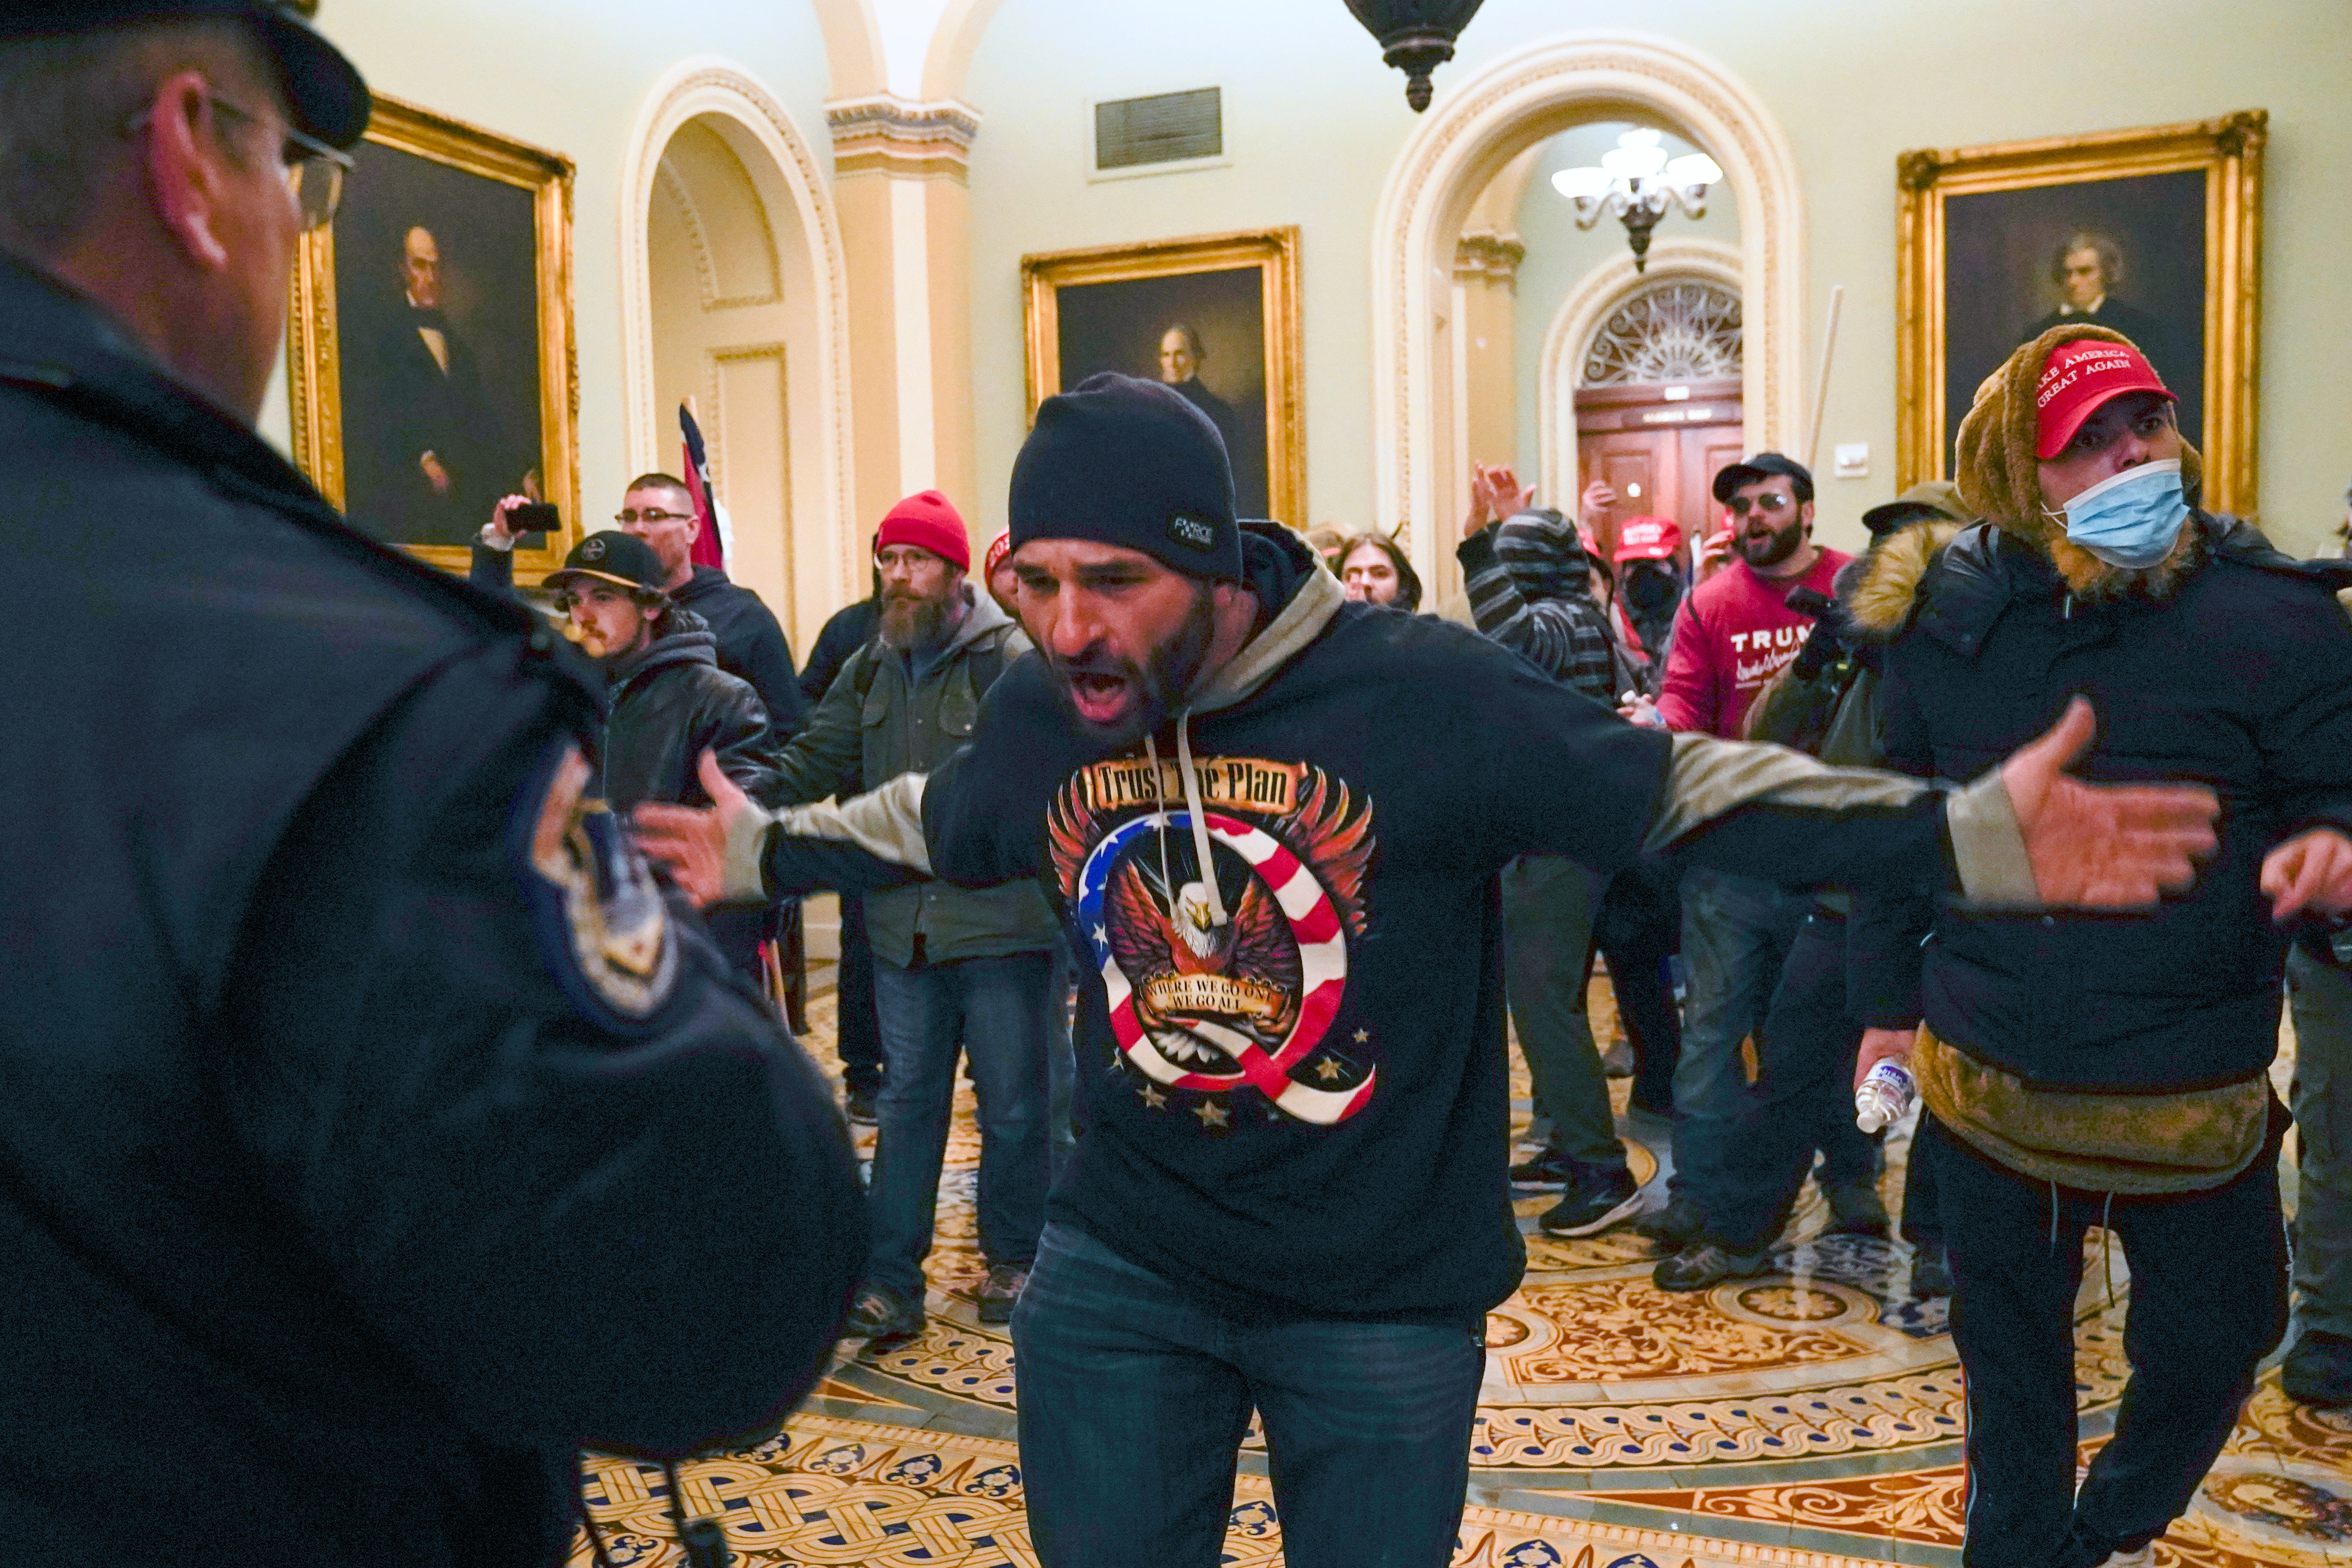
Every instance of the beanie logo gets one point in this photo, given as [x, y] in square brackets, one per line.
[593, 551]
[1197, 532]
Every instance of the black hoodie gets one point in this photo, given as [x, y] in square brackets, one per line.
[1296, 1099]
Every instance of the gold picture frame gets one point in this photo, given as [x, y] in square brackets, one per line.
[1970, 217]
[507, 389]
[1114, 307]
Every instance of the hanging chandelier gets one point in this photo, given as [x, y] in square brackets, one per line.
[1636, 182]
[1418, 35]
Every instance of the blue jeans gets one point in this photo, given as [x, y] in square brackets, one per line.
[1135, 1397]
[997, 1010]
[1736, 933]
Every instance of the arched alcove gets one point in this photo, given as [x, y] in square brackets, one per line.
[1468, 138]
[732, 290]
[1594, 299]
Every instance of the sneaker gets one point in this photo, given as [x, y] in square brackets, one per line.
[881, 1317]
[1000, 1290]
[1931, 1270]
[859, 1106]
[1856, 1209]
[1594, 1201]
[1671, 1228]
[2318, 1371]
[1549, 1169]
[1703, 1263]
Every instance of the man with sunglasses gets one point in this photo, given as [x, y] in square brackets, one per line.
[363, 1095]
[1734, 633]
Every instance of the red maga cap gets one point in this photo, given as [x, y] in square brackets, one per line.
[2077, 380]
[1648, 539]
[997, 550]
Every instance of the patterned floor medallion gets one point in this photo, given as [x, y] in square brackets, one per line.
[1809, 1418]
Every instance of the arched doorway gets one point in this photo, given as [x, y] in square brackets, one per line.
[1463, 142]
[1642, 382]
[732, 279]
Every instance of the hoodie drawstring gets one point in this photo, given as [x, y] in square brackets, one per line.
[1189, 778]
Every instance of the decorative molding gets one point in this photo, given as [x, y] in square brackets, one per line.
[1470, 136]
[680, 191]
[1598, 296]
[889, 136]
[691, 89]
[1488, 259]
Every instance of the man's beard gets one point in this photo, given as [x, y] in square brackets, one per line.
[1773, 548]
[911, 621]
[1155, 688]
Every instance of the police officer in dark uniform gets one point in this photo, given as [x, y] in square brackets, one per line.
[374, 1131]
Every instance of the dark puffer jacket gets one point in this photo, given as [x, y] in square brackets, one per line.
[670, 702]
[2234, 669]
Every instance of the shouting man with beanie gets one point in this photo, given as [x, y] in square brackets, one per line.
[2080, 1072]
[1292, 1193]
[955, 968]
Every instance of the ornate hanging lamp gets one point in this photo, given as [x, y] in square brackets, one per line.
[1418, 35]
[1636, 181]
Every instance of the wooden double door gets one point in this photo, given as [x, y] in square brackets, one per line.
[1660, 448]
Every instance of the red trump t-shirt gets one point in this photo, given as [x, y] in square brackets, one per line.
[1734, 633]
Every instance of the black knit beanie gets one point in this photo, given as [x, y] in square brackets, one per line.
[1131, 463]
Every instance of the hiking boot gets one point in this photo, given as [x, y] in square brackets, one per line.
[1931, 1270]
[1703, 1263]
[1549, 1169]
[1672, 1227]
[1000, 1290]
[858, 1106]
[1856, 1209]
[1595, 1201]
[2318, 1371]
[881, 1317]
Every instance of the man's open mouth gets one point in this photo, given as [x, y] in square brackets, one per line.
[1101, 698]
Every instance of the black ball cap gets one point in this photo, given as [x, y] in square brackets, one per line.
[1764, 466]
[621, 559]
[324, 90]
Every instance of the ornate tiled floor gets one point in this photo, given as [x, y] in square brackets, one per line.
[1811, 1418]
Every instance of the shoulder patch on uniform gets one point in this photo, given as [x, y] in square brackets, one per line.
[604, 932]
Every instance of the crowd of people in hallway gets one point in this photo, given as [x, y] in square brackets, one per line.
[396, 990]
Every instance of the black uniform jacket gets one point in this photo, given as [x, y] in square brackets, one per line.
[2242, 680]
[353, 1171]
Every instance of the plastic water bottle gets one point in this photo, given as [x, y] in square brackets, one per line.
[1885, 1094]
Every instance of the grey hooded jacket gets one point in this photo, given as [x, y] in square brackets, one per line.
[1529, 582]
[880, 720]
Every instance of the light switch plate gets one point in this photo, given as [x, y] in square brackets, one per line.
[1852, 458]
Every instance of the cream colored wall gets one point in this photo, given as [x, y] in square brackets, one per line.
[571, 77]
[1313, 120]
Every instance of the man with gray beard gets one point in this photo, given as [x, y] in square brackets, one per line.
[953, 967]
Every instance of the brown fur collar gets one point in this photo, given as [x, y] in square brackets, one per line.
[1878, 606]
[1998, 477]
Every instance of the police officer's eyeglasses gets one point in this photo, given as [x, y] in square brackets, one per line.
[314, 171]
[1770, 500]
[626, 516]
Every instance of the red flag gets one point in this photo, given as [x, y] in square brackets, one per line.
[709, 549]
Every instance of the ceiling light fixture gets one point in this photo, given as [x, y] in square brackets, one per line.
[1418, 35]
[1636, 182]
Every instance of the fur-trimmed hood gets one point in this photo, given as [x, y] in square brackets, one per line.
[1887, 578]
[1998, 477]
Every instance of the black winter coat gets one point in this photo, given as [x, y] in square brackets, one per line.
[668, 704]
[2241, 679]
[327, 1155]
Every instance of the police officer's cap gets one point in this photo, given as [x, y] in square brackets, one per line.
[329, 99]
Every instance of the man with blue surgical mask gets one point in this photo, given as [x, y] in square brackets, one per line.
[2114, 1072]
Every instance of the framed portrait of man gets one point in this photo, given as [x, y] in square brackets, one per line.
[1216, 318]
[431, 354]
[2152, 233]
